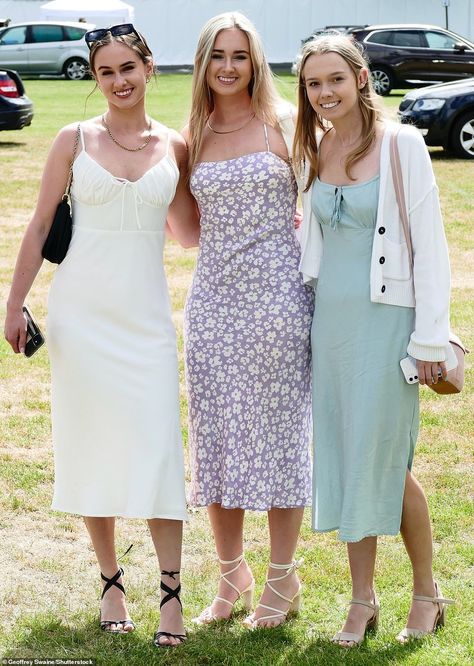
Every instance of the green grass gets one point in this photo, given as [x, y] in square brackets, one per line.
[49, 586]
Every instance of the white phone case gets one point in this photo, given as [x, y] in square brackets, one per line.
[408, 365]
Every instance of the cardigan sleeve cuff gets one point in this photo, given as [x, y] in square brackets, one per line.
[426, 353]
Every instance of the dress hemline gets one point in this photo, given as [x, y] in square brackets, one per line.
[246, 507]
[348, 539]
[122, 514]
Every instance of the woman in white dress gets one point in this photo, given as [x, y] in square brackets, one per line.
[115, 407]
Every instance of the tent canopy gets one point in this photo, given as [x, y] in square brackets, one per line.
[105, 12]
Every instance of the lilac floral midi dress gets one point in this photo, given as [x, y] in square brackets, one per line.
[247, 339]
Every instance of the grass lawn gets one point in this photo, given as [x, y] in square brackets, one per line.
[49, 587]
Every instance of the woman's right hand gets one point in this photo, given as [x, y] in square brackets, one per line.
[15, 329]
[429, 372]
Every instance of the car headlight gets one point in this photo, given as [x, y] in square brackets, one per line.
[428, 104]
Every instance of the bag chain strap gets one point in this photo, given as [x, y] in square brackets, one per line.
[69, 180]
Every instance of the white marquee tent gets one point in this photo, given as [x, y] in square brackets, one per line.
[104, 12]
[172, 26]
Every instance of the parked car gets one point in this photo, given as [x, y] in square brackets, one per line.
[403, 55]
[46, 48]
[444, 114]
[16, 109]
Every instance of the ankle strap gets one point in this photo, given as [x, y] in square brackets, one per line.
[238, 560]
[433, 600]
[362, 602]
[170, 594]
[437, 599]
[291, 568]
[293, 565]
[111, 582]
[171, 574]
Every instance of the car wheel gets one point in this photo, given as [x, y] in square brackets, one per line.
[462, 136]
[382, 79]
[76, 69]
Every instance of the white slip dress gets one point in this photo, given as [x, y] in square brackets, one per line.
[112, 346]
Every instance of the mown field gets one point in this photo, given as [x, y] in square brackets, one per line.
[49, 585]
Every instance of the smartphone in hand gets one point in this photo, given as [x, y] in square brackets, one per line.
[34, 337]
[410, 372]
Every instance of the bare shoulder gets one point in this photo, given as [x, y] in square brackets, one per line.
[66, 133]
[179, 145]
[185, 133]
[63, 144]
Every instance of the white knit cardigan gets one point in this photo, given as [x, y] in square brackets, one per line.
[392, 280]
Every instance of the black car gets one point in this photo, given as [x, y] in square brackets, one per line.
[16, 109]
[404, 55]
[444, 114]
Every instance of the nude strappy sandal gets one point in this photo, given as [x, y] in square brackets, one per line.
[294, 603]
[410, 633]
[371, 625]
[207, 616]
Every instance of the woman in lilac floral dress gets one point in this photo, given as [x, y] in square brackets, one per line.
[248, 319]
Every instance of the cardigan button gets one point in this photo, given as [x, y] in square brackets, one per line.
[382, 260]
[383, 289]
[381, 230]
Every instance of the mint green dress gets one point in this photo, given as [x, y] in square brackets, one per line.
[365, 414]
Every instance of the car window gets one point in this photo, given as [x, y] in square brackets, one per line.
[437, 40]
[74, 33]
[409, 38]
[381, 37]
[14, 35]
[46, 33]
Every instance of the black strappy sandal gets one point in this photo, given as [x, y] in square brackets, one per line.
[170, 594]
[106, 624]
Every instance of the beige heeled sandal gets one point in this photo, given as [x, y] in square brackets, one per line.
[251, 622]
[371, 625]
[207, 616]
[410, 633]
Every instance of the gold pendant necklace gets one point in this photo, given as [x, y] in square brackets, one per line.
[130, 150]
[232, 130]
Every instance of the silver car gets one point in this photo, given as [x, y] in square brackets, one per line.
[47, 47]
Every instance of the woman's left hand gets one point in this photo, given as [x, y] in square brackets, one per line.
[429, 371]
[298, 219]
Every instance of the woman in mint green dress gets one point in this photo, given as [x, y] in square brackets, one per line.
[371, 310]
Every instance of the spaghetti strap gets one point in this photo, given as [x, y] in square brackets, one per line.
[81, 137]
[266, 137]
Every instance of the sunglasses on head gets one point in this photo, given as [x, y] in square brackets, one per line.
[116, 30]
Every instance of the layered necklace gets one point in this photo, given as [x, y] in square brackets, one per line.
[232, 130]
[130, 150]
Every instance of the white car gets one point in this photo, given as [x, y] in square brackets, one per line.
[47, 47]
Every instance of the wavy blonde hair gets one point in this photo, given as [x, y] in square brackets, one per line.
[305, 146]
[264, 97]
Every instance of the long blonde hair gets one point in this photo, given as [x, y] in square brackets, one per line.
[264, 97]
[305, 146]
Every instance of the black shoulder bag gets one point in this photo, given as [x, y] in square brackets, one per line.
[57, 242]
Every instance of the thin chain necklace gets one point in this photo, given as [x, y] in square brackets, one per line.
[130, 150]
[230, 131]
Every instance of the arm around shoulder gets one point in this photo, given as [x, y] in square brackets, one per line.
[183, 213]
